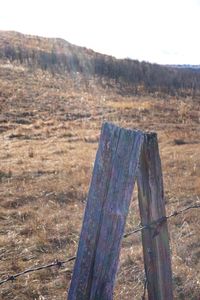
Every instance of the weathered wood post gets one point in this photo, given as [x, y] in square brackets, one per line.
[105, 215]
[152, 207]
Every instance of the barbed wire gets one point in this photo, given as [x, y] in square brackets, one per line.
[160, 220]
[58, 263]
[156, 224]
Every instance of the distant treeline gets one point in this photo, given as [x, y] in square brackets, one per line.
[126, 72]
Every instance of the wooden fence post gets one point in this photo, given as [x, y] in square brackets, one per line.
[105, 215]
[152, 207]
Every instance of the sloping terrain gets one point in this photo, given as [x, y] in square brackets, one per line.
[128, 76]
[49, 130]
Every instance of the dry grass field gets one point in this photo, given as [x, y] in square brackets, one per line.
[49, 131]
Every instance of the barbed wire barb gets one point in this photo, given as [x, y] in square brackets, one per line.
[57, 263]
[154, 224]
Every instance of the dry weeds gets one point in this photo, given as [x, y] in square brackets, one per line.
[49, 134]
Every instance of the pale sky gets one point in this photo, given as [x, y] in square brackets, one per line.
[161, 31]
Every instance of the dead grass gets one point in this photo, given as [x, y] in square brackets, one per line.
[50, 130]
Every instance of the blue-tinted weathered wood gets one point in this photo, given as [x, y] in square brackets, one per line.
[105, 215]
[152, 207]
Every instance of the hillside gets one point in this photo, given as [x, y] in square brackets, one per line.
[49, 130]
[131, 76]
